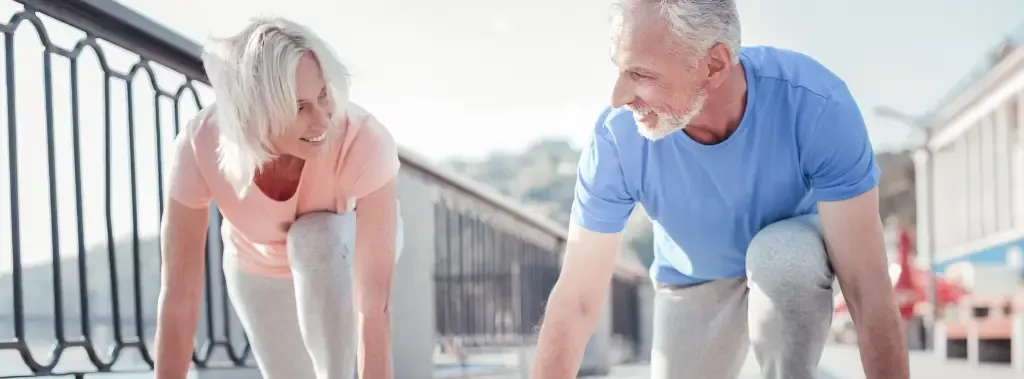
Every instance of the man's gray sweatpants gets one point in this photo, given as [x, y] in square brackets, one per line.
[783, 308]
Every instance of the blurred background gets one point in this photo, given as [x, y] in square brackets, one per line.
[490, 102]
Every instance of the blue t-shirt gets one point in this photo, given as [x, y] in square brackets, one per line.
[802, 139]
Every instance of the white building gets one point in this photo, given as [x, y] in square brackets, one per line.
[978, 151]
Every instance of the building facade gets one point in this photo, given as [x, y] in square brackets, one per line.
[977, 149]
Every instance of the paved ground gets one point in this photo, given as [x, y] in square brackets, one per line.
[641, 371]
[923, 365]
[843, 362]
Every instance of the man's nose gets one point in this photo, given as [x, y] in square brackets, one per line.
[622, 93]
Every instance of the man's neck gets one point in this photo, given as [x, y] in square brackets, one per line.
[724, 108]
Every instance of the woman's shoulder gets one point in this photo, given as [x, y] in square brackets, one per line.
[363, 132]
[202, 133]
[369, 154]
[202, 127]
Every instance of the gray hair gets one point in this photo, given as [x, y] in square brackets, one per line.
[702, 23]
[253, 78]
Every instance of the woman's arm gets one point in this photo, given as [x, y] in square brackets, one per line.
[183, 244]
[373, 269]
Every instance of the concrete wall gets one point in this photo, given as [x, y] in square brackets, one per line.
[597, 358]
[412, 313]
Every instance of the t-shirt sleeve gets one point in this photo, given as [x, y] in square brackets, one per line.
[839, 160]
[601, 203]
[371, 160]
[186, 183]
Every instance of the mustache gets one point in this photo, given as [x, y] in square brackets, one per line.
[642, 111]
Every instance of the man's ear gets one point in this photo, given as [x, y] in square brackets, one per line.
[719, 64]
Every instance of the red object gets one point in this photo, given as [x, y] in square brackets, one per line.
[908, 290]
[912, 284]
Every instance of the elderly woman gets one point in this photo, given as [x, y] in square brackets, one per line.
[289, 161]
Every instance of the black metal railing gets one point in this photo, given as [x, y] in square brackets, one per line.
[490, 284]
[91, 306]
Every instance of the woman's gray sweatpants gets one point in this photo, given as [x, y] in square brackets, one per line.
[783, 307]
[304, 327]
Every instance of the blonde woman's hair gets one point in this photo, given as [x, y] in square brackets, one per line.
[253, 77]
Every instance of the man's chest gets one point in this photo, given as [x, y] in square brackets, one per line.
[746, 189]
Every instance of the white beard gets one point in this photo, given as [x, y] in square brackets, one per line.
[668, 124]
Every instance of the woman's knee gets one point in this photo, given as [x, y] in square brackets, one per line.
[315, 238]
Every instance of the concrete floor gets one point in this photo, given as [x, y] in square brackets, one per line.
[843, 362]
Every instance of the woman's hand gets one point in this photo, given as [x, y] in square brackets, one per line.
[373, 269]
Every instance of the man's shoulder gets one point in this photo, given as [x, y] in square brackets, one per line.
[792, 70]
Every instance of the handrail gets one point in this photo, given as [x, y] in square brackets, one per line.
[127, 28]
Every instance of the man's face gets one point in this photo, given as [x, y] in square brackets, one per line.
[663, 87]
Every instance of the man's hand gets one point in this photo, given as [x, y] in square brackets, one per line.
[853, 237]
[575, 303]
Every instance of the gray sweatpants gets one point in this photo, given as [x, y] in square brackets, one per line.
[304, 327]
[783, 307]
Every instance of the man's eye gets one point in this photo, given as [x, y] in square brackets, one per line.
[639, 75]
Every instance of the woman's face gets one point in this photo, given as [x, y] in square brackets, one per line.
[307, 136]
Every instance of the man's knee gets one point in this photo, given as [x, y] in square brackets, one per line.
[789, 257]
[315, 238]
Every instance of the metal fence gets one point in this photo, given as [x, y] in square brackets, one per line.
[109, 288]
[490, 284]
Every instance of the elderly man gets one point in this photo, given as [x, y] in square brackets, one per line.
[755, 167]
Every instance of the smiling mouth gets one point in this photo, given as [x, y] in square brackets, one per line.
[316, 139]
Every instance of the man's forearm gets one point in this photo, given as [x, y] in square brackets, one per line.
[883, 344]
[563, 338]
[375, 346]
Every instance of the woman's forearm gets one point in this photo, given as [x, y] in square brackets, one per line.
[374, 269]
[183, 247]
[375, 345]
[177, 320]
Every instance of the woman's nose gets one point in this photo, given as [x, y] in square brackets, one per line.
[321, 115]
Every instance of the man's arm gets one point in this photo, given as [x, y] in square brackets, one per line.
[575, 302]
[853, 237]
[601, 207]
[374, 267]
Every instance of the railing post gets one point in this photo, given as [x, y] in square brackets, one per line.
[413, 328]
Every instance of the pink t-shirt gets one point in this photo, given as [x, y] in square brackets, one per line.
[362, 158]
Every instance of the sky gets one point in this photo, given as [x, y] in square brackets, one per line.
[502, 74]
[454, 78]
